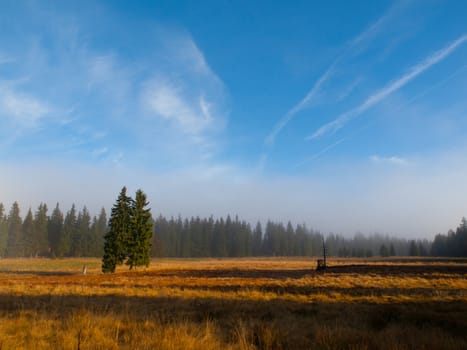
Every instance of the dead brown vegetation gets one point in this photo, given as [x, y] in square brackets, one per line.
[234, 304]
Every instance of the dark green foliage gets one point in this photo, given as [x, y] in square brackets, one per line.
[413, 249]
[54, 236]
[40, 243]
[227, 238]
[384, 251]
[139, 245]
[186, 245]
[130, 230]
[117, 239]
[98, 230]
[82, 240]
[28, 246]
[55, 232]
[69, 231]
[392, 250]
[3, 230]
[15, 244]
[257, 239]
[79, 235]
[452, 244]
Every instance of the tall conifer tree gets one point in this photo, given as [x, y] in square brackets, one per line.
[55, 231]
[69, 228]
[28, 236]
[14, 231]
[82, 240]
[98, 230]
[117, 239]
[3, 230]
[141, 232]
[41, 242]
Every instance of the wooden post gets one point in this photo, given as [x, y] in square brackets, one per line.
[324, 253]
[321, 263]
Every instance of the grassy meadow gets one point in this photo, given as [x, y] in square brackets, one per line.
[275, 303]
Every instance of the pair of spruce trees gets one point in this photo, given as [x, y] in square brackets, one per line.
[130, 230]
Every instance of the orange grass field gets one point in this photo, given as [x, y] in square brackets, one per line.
[264, 303]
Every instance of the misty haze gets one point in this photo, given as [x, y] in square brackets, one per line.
[233, 175]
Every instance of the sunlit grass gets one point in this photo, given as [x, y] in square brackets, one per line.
[236, 280]
[231, 303]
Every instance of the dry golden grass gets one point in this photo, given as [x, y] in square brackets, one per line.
[234, 304]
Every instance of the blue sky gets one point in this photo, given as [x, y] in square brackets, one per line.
[346, 115]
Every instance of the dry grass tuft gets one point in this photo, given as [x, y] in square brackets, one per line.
[234, 304]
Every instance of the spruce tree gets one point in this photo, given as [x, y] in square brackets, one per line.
[383, 251]
[117, 239]
[69, 228]
[139, 246]
[413, 248]
[40, 242]
[55, 231]
[392, 251]
[3, 230]
[15, 222]
[219, 240]
[82, 241]
[29, 235]
[99, 232]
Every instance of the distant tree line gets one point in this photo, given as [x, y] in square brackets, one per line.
[454, 243]
[73, 234]
[77, 234]
[209, 237]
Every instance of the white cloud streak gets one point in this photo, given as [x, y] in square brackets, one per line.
[351, 48]
[100, 152]
[169, 103]
[380, 95]
[320, 153]
[349, 89]
[185, 92]
[23, 110]
[393, 160]
[300, 106]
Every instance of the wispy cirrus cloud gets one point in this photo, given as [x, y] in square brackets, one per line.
[352, 48]
[21, 109]
[320, 153]
[360, 42]
[190, 116]
[100, 152]
[380, 95]
[185, 93]
[305, 102]
[163, 96]
[393, 160]
[349, 89]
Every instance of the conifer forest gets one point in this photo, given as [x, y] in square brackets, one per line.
[57, 233]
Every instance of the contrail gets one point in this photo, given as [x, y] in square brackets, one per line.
[320, 153]
[340, 121]
[350, 48]
[353, 134]
[301, 105]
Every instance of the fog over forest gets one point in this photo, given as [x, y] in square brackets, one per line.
[366, 201]
[78, 233]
